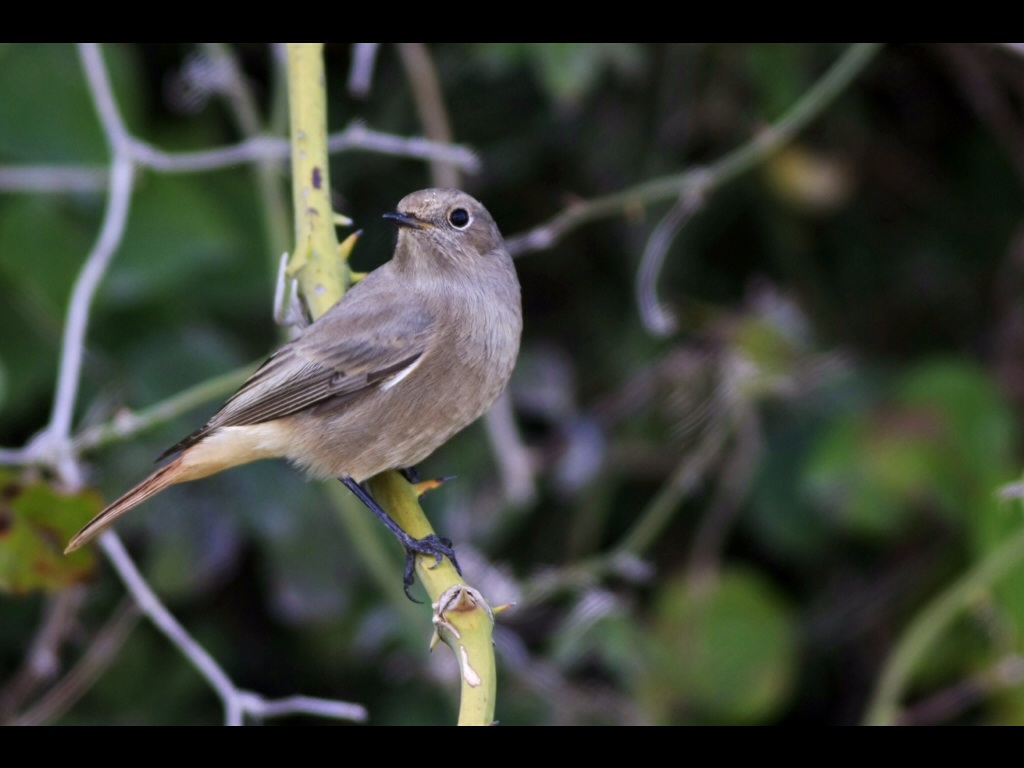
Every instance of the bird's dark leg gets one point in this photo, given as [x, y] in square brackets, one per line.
[431, 545]
[411, 474]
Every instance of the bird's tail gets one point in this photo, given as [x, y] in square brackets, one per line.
[152, 485]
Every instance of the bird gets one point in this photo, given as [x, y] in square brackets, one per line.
[410, 355]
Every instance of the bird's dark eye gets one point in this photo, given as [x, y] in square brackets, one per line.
[459, 218]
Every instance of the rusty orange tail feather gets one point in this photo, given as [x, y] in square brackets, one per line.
[152, 485]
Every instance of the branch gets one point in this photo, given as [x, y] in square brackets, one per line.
[256, 149]
[931, 622]
[29, 178]
[690, 471]
[358, 136]
[126, 424]
[951, 702]
[703, 181]
[360, 76]
[461, 615]
[426, 91]
[54, 442]
[54, 445]
[237, 702]
[103, 649]
[42, 659]
[656, 318]
[510, 454]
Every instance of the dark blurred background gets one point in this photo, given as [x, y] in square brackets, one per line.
[738, 521]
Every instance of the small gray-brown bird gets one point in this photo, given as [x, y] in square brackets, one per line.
[412, 354]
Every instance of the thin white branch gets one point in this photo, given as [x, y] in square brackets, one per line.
[360, 76]
[151, 606]
[237, 702]
[122, 174]
[355, 136]
[358, 136]
[257, 706]
[511, 455]
[53, 445]
[53, 178]
[258, 148]
[656, 318]
[103, 95]
[76, 681]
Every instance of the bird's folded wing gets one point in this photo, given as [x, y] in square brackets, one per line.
[335, 361]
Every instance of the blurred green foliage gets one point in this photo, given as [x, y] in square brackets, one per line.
[845, 387]
[719, 653]
[34, 523]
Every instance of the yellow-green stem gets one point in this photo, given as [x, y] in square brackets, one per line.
[463, 619]
[323, 276]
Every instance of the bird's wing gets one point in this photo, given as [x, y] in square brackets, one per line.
[351, 350]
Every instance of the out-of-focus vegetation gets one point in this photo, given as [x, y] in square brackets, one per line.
[797, 507]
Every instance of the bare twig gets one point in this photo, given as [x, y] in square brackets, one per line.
[956, 699]
[163, 620]
[656, 318]
[103, 96]
[73, 348]
[690, 471]
[266, 171]
[426, 91]
[102, 651]
[259, 148]
[932, 621]
[511, 455]
[259, 707]
[237, 703]
[53, 178]
[706, 180]
[126, 424]
[42, 660]
[730, 489]
[358, 136]
[360, 76]
[54, 443]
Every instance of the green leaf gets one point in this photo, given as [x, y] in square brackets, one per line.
[36, 522]
[723, 652]
[943, 440]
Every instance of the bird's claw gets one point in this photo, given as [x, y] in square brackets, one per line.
[434, 545]
[411, 474]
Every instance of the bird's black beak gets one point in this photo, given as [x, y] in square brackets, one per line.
[405, 220]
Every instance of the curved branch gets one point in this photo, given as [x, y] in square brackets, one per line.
[706, 180]
[924, 630]
[237, 702]
[656, 318]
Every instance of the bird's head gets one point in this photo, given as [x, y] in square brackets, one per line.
[444, 226]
